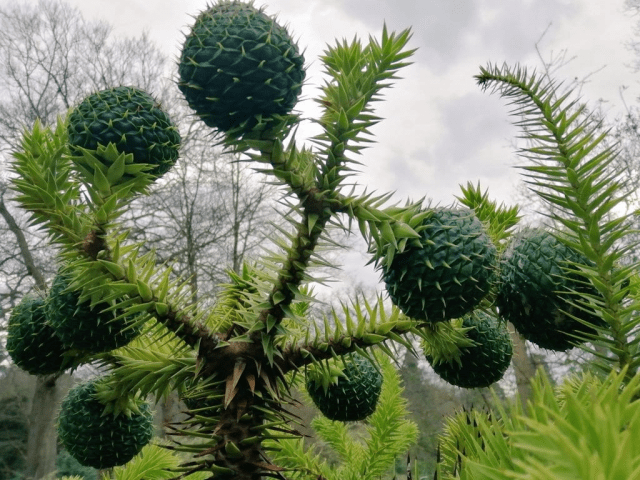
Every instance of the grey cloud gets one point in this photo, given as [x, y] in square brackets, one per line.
[447, 30]
[472, 122]
[436, 24]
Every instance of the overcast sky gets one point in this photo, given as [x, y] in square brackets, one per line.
[440, 130]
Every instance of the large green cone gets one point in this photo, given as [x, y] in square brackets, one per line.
[238, 66]
[31, 342]
[132, 120]
[484, 363]
[354, 397]
[534, 291]
[445, 273]
[81, 327]
[101, 440]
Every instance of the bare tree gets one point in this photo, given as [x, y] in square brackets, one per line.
[207, 215]
[50, 57]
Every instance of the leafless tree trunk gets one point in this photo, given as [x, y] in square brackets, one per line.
[42, 442]
[524, 366]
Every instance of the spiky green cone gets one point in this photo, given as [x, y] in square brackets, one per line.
[31, 342]
[445, 273]
[97, 439]
[484, 363]
[132, 120]
[354, 397]
[533, 290]
[238, 66]
[80, 327]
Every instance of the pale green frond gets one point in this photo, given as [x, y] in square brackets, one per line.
[303, 463]
[390, 432]
[356, 75]
[362, 455]
[586, 426]
[443, 341]
[336, 435]
[152, 463]
[156, 371]
[46, 186]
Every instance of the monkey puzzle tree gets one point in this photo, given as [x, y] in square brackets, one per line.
[235, 362]
[582, 427]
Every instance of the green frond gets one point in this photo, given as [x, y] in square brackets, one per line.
[386, 230]
[157, 370]
[443, 341]
[356, 75]
[586, 425]
[301, 463]
[353, 328]
[499, 220]
[365, 456]
[152, 463]
[390, 433]
[571, 167]
[46, 186]
[337, 437]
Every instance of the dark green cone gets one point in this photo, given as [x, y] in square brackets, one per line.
[31, 342]
[239, 66]
[132, 120]
[354, 397]
[97, 440]
[81, 328]
[533, 291]
[446, 273]
[482, 364]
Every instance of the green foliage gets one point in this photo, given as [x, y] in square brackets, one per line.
[388, 435]
[570, 169]
[357, 74]
[499, 220]
[148, 366]
[585, 429]
[152, 463]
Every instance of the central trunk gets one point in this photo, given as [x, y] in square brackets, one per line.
[239, 429]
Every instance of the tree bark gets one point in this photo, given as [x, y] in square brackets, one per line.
[42, 441]
[524, 366]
